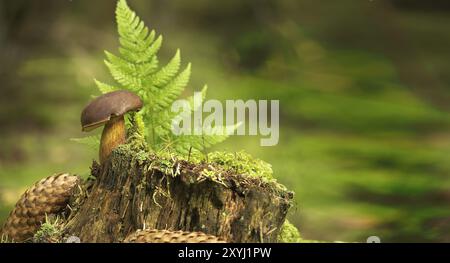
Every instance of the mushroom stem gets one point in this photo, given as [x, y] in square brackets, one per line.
[113, 135]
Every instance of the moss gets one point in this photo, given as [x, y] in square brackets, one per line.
[242, 163]
[138, 152]
[238, 162]
[167, 163]
[49, 232]
[218, 167]
[289, 234]
[135, 132]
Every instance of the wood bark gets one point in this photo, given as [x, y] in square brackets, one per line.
[130, 194]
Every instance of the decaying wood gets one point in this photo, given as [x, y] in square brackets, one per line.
[130, 193]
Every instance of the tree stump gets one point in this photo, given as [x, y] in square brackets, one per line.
[131, 192]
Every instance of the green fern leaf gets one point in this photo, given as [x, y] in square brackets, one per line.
[168, 94]
[122, 77]
[166, 73]
[184, 144]
[104, 88]
[167, 115]
[138, 45]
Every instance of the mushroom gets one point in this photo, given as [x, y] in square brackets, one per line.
[108, 110]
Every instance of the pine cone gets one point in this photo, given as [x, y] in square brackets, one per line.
[166, 236]
[48, 196]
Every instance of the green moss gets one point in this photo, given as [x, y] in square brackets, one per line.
[136, 132]
[238, 162]
[215, 166]
[289, 234]
[242, 163]
[49, 232]
[138, 154]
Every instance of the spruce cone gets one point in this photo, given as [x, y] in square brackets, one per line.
[46, 197]
[166, 236]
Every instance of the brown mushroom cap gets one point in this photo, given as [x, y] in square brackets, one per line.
[108, 105]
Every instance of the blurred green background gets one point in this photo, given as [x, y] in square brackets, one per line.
[364, 90]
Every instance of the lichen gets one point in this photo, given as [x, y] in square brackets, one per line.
[289, 233]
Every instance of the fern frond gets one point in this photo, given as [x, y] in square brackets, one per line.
[104, 88]
[138, 45]
[183, 144]
[127, 43]
[121, 75]
[168, 94]
[167, 115]
[166, 73]
[129, 74]
[136, 68]
[191, 98]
